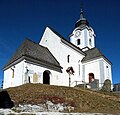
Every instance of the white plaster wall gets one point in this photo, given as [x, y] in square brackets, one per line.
[7, 78]
[18, 76]
[75, 58]
[91, 67]
[84, 38]
[74, 39]
[61, 51]
[107, 72]
[33, 68]
[98, 67]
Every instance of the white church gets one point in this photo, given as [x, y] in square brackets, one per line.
[57, 61]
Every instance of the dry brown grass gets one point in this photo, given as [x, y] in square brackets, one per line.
[83, 100]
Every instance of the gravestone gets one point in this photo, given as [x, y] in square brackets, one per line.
[107, 85]
[94, 84]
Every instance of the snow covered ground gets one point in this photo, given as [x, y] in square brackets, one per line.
[43, 109]
[9, 111]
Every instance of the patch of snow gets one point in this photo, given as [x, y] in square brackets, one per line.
[9, 111]
[48, 108]
[57, 113]
[6, 111]
[57, 107]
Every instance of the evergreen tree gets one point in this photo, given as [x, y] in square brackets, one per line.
[2, 85]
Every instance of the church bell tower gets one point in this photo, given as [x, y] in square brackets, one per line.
[83, 35]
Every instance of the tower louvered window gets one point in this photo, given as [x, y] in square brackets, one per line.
[78, 41]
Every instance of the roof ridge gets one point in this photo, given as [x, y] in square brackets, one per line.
[100, 51]
[94, 53]
[56, 33]
[27, 39]
[33, 50]
[63, 39]
[52, 55]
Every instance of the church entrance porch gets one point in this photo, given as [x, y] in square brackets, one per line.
[46, 77]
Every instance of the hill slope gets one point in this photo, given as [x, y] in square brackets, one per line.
[82, 100]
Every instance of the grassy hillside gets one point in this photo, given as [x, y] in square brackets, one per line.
[82, 100]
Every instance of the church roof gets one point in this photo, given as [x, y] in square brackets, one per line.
[82, 22]
[93, 54]
[36, 53]
[65, 41]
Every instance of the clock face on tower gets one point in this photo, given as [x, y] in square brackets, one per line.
[90, 33]
[77, 33]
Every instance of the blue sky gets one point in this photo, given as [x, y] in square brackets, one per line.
[20, 19]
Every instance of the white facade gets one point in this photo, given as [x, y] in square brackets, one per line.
[68, 54]
[13, 76]
[61, 51]
[83, 37]
[34, 75]
[100, 67]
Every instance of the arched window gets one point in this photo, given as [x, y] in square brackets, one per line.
[12, 68]
[79, 67]
[90, 42]
[12, 72]
[68, 58]
[107, 71]
[78, 41]
[29, 81]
